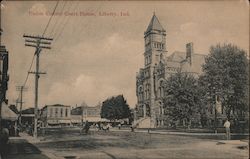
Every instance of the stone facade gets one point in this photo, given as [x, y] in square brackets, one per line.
[157, 68]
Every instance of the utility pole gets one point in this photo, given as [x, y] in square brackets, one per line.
[21, 89]
[38, 42]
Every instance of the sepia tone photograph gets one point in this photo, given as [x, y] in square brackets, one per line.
[124, 79]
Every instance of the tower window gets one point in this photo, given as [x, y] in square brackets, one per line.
[141, 94]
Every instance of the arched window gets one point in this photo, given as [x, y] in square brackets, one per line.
[140, 93]
[147, 91]
[161, 56]
[161, 89]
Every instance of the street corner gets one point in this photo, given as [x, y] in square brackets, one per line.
[233, 142]
[238, 144]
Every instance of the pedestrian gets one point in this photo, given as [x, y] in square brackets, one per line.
[227, 126]
[101, 126]
[97, 127]
[86, 127]
[4, 138]
[133, 126]
[108, 126]
[105, 126]
[119, 126]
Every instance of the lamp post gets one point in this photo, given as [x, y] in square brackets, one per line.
[215, 110]
[213, 104]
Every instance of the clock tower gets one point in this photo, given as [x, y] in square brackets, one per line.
[155, 42]
[155, 49]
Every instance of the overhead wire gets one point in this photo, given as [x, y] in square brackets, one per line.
[81, 29]
[50, 18]
[27, 76]
[67, 20]
[58, 19]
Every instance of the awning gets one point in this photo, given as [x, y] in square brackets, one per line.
[7, 113]
[76, 121]
[64, 121]
[59, 121]
[95, 119]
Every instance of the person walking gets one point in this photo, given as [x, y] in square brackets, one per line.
[86, 127]
[119, 126]
[227, 126]
[4, 139]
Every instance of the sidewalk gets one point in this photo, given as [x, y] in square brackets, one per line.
[214, 136]
[20, 148]
[23, 147]
[172, 132]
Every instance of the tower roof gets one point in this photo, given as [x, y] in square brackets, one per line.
[154, 24]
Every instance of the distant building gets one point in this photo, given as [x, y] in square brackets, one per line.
[55, 115]
[92, 114]
[76, 116]
[158, 68]
[85, 113]
[28, 116]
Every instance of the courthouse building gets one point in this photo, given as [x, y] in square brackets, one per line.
[157, 68]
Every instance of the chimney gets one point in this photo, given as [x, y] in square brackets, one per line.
[189, 52]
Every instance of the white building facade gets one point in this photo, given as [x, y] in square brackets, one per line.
[54, 115]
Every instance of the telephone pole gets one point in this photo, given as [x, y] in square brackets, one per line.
[38, 42]
[21, 89]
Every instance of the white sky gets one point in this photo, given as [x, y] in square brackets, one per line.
[94, 57]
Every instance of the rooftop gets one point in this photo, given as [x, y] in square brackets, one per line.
[154, 24]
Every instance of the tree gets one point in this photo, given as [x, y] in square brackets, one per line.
[181, 99]
[226, 72]
[115, 108]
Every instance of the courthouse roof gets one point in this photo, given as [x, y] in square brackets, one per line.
[155, 24]
[177, 56]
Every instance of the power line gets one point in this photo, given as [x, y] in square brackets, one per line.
[27, 77]
[81, 29]
[54, 26]
[66, 21]
[21, 89]
[50, 18]
[39, 43]
[62, 22]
